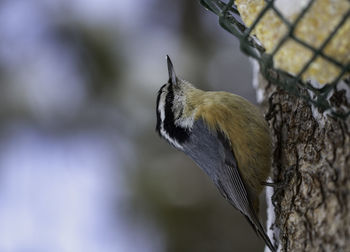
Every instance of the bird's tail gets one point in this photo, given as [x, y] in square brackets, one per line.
[261, 232]
[267, 240]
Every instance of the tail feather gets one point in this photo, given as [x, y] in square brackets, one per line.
[261, 232]
[267, 240]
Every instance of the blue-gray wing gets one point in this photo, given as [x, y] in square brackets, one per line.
[213, 153]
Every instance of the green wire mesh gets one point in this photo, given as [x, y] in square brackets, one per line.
[229, 19]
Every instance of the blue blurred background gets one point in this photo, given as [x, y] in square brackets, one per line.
[81, 167]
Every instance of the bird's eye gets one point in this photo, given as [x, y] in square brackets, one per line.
[169, 99]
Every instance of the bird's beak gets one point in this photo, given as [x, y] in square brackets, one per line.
[172, 75]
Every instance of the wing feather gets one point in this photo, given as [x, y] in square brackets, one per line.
[213, 153]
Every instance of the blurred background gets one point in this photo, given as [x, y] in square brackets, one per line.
[81, 167]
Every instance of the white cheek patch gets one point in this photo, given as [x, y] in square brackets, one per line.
[161, 109]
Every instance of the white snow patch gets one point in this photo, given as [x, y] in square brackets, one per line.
[271, 217]
[259, 91]
[320, 117]
[343, 86]
[315, 84]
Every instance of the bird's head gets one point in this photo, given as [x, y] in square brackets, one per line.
[172, 124]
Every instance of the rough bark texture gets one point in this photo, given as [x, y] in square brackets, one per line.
[311, 161]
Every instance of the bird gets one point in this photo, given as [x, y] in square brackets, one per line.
[225, 135]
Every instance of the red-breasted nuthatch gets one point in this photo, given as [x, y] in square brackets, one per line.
[225, 135]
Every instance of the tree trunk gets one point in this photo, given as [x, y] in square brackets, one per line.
[311, 166]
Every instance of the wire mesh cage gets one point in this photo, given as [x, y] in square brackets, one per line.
[300, 45]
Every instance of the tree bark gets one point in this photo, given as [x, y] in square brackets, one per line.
[311, 166]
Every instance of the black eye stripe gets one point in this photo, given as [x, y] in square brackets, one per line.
[176, 132]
